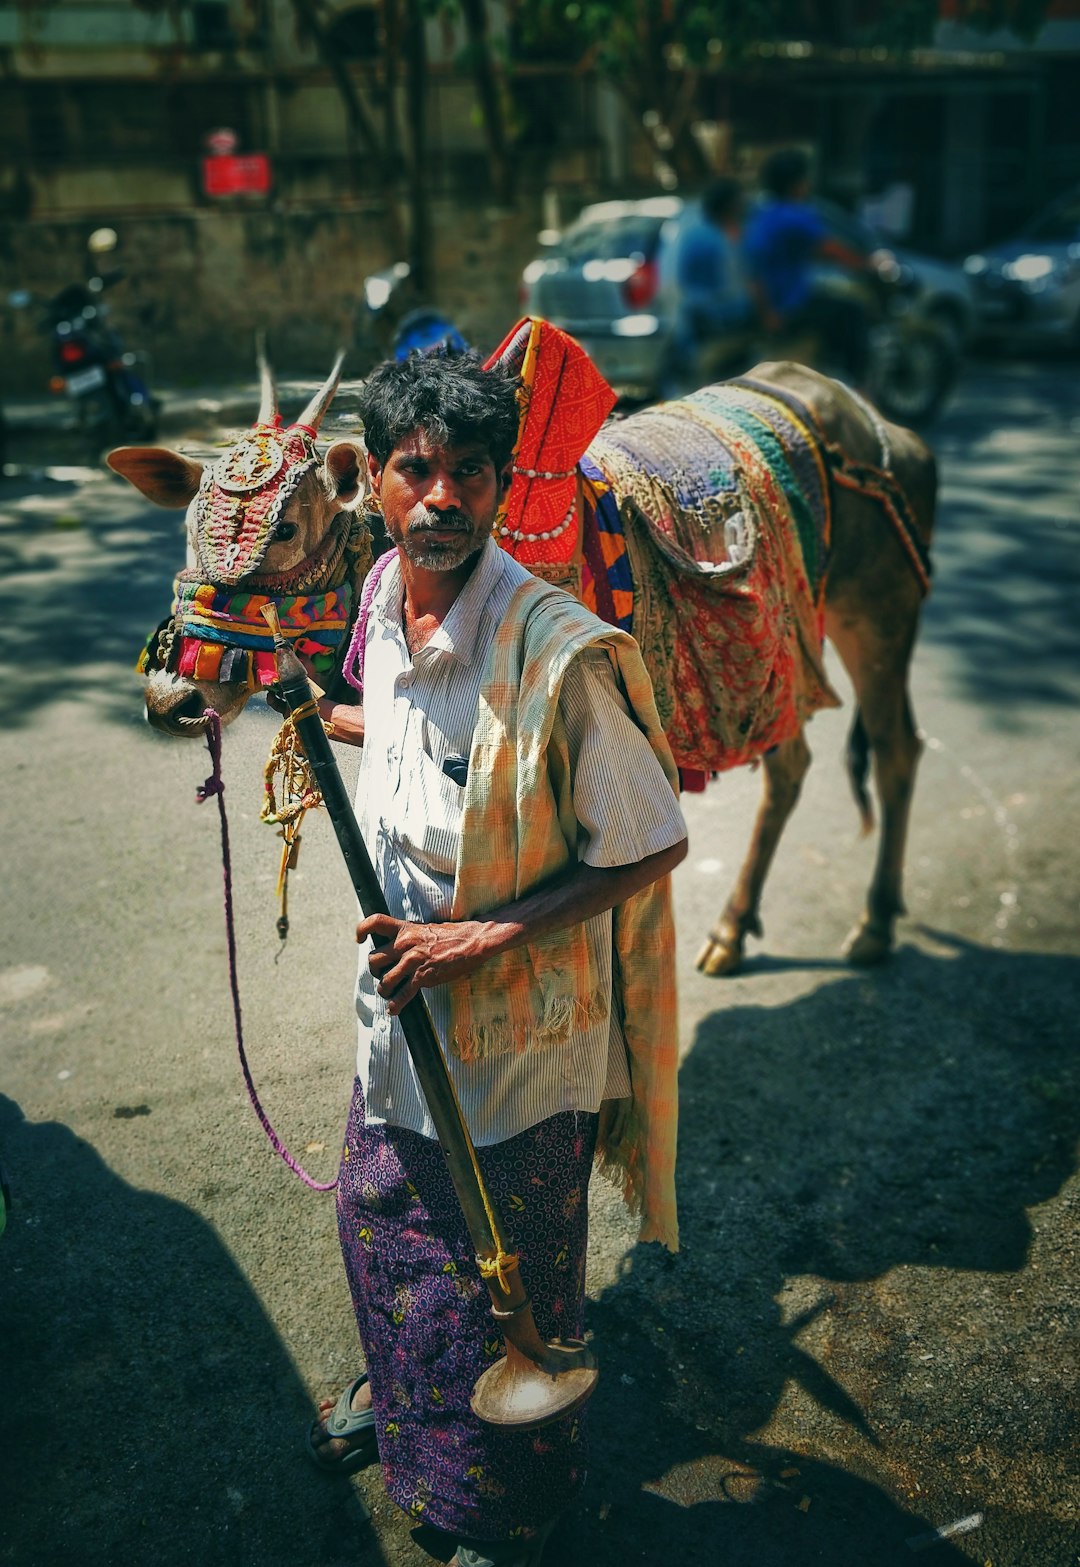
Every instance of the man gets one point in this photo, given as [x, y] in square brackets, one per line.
[515, 789]
[784, 239]
[713, 299]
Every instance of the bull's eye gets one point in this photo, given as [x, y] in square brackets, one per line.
[284, 532]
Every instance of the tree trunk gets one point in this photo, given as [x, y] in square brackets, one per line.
[391, 53]
[361, 125]
[360, 122]
[486, 82]
[416, 92]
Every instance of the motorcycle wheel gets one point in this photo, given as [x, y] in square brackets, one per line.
[140, 421]
[913, 373]
[96, 420]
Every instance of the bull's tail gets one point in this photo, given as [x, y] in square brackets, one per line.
[858, 766]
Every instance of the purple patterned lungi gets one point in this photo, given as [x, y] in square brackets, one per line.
[425, 1324]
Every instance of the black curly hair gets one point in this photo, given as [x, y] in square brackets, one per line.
[451, 397]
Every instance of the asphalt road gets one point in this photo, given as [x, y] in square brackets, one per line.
[871, 1333]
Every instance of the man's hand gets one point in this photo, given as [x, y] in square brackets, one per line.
[347, 718]
[412, 957]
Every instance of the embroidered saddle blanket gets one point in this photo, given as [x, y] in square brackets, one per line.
[705, 534]
[701, 527]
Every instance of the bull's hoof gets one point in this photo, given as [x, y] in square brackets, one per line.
[866, 946]
[720, 956]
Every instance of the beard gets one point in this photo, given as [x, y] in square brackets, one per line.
[424, 548]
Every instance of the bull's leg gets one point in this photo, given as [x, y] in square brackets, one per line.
[783, 770]
[879, 674]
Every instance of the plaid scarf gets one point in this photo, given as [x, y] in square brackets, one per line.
[518, 829]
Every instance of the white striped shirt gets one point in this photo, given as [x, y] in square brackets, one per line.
[419, 713]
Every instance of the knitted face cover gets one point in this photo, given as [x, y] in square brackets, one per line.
[243, 497]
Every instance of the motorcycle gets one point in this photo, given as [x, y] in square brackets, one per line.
[912, 360]
[393, 325]
[90, 364]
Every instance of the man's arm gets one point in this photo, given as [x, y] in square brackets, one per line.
[417, 957]
[347, 719]
[844, 255]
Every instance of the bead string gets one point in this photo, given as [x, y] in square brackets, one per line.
[520, 536]
[541, 473]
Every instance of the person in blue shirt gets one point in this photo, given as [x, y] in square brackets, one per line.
[785, 237]
[714, 301]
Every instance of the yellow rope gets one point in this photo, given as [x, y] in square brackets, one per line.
[299, 794]
[498, 1267]
[504, 1261]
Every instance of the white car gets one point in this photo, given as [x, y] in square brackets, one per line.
[601, 281]
[1029, 287]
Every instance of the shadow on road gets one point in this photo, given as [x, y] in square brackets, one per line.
[85, 576]
[150, 1412]
[1006, 574]
[904, 1120]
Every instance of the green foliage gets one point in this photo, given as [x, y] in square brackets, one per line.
[620, 37]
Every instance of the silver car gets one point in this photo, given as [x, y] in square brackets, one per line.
[604, 280]
[609, 280]
[1028, 288]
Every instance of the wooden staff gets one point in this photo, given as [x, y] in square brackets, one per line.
[537, 1380]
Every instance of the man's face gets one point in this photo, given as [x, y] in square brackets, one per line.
[438, 502]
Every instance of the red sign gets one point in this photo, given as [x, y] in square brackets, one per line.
[246, 175]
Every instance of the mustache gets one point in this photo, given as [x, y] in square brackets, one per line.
[442, 522]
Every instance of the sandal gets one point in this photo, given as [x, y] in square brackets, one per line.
[525, 1553]
[344, 1421]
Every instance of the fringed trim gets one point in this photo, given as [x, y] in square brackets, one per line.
[563, 1015]
[620, 1159]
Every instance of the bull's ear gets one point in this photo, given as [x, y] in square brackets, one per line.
[346, 467]
[164, 477]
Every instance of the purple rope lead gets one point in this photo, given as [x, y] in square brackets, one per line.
[353, 667]
[215, 784]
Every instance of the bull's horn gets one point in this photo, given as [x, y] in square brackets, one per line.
[312, 416]
[268, 408]
[509, 357]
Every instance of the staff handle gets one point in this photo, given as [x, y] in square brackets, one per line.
[519, 1395]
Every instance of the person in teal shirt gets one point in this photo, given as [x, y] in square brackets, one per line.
[714, 301]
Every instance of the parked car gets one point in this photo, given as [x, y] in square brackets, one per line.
[603, 281]
[1029, 287]
[609, 280]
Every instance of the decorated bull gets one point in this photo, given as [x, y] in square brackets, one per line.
[729, 532]
[271, 519]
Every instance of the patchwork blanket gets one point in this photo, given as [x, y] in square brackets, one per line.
[706, 525]
[700, 526]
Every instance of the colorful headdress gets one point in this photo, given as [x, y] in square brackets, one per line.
[563, 400]
[244, 495]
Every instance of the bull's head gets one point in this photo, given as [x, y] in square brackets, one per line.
[268, 520]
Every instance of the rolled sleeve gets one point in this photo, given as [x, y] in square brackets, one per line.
[623, 802]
